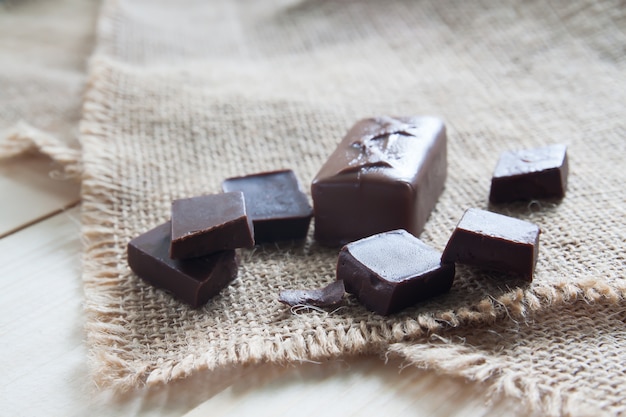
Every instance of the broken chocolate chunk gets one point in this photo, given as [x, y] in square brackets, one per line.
[494, 241]
[276, 204]
[390, 271]
[530, 174]
[193, 281]
[209, 223]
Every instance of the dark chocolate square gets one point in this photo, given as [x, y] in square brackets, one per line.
[193, 281]
[387, 173]
[390, 271]
[530, 174]
[276, 204]
[494, 241]
[209, 223]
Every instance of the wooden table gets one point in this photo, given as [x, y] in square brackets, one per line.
[43, 357]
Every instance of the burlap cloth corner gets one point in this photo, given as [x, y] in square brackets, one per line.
[44, 50]
[566, 361]
[181, 97]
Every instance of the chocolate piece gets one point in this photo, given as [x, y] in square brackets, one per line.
[275, 202]
[494, 241]
[530, 174]
[194, 281]
[329, 296]
[209, 223]
[387, 173]
[393, 270]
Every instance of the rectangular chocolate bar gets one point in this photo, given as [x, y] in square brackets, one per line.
[494, 241]
[390, 271]
[193, 281]
[387, 173]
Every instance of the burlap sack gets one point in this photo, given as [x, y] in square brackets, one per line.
[183, 96]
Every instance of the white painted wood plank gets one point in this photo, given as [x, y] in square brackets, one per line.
[29, 193]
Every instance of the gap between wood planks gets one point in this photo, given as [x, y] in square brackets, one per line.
[53, 213]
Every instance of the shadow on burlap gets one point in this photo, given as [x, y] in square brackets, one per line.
[192, 95]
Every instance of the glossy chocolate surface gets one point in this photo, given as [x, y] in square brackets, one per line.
[530, 174]
[276, 204]
[193, 281]
[390, 271]
[209, 223]
[387, 173]
[494, 241]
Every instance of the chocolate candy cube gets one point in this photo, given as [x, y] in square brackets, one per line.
[209, 223]
[193, 281]
[494, 241]
[387, 173]
[392, 270]
[530, 174]
[276, 204]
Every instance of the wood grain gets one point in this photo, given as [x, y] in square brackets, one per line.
[31, 192]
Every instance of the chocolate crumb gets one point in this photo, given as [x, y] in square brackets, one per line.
[328, 296]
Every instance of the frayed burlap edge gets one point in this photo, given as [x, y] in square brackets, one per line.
[451, 354]
[459, 360]
[23, 138]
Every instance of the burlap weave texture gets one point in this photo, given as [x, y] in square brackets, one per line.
[566, 362]
[182, 97]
